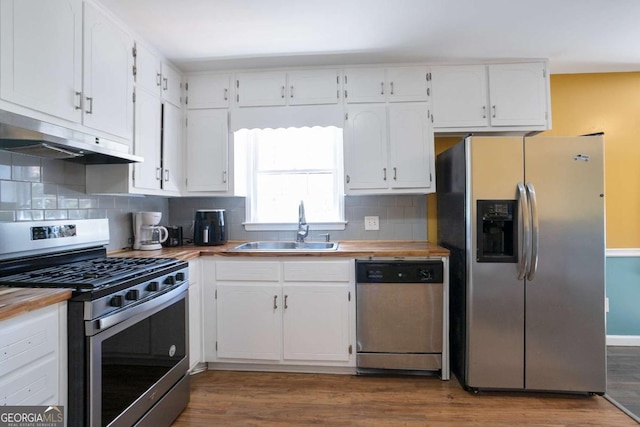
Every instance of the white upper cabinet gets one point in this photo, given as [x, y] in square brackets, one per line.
[171, 84]
[147, 140]
[172, 148]
[108, 76]
[459, 96]
[261, 88]
[41, 55]
[148, 73]
[208, 91]
[497, 97]
[389, 149]
[207, 150]
[518, 94]
[397, 84]
[276, 88]
[308, 87]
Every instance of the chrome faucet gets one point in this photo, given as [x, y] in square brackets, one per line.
[303, 227]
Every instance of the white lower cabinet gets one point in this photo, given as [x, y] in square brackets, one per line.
[195, 316]
[293, 312]
[33, 366]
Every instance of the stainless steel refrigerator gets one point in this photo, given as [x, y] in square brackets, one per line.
[523, 218]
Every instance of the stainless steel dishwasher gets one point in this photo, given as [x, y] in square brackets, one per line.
[402, 316]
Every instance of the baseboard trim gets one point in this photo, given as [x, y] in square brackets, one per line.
[624, 340]
[257, 367]
[622, 252]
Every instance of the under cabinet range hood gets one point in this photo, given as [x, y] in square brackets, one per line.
[25, 135]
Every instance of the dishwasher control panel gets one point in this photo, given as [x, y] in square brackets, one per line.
[422, 271]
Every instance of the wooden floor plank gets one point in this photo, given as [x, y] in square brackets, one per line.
[223, 398]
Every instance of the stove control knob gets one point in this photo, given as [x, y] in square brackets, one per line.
[180, 277]
[153, 287]
[424, 274]
[132, 295]
[116, 301]
[170, 280]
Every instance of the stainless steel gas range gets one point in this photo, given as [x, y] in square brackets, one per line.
[127, 320]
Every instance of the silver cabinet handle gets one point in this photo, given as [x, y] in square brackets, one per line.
[90, 102]
[165, 86]
[428, 92]
[524, 232]
[166, 175]
[78, 106]
[275, 302]
[391, 88]
[291, 92]
[395, 174]
[158, 79]
[285, 302]
[535, 232]
[282, 92]
[159, 174]
[224, 176]
[348, 179]
[384, 173]
[381, 88]
[494, 111]
[226, 94]
[484, 111]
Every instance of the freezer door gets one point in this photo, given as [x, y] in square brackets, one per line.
[495, 295]
[565, 320]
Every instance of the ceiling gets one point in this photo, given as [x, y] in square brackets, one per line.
[577, 36]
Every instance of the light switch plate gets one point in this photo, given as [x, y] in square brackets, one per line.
[371, 223]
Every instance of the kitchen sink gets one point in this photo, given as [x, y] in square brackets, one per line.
[286, 246]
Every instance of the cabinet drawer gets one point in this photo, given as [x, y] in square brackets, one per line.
[32, 385]
[249, 270]
[318, 271]
[26, 338]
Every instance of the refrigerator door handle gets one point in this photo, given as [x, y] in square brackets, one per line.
[535, 231]
[524, 230]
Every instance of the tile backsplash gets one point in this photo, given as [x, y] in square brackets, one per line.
[32, 188]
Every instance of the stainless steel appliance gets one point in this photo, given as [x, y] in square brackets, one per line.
[127, 320]
[209, 228]
[524, 221]
[401, 316]
[147, 234]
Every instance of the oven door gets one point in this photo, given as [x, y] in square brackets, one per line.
[134, 363]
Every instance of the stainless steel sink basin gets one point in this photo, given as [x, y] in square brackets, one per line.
[286, 246]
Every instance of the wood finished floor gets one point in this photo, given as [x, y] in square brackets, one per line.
[623, 377]
[221, 398]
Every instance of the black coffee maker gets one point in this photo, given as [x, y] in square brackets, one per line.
[209, 228]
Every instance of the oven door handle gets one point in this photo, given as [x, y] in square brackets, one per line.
[128, 312]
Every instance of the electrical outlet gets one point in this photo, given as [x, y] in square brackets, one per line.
[371, 223]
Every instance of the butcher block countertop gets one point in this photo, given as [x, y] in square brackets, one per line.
[348, 249]
[17, 301]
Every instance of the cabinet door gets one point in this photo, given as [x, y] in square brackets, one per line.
[41, 55]
[146, 142]
[208, 91]
[518, 94]
[411, 146]
[366, 147]
[407, 84]
[108, 77]
[459, 96]
[207, 148]
[261, 88]
[364, 85]
[171, 84]
[249, 321]
[316, 322]
[313, 87]
[171, 147]
[148, 75]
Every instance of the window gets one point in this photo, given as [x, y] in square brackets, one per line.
[285, 166]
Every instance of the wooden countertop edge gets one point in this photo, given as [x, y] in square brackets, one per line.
[17, 301]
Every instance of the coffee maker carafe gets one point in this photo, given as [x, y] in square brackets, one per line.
[147, 234]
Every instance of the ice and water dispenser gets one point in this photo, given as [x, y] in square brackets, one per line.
[497, 230]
